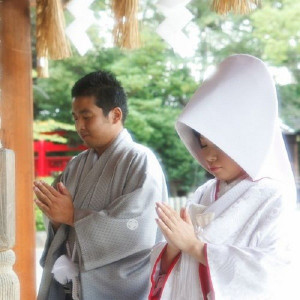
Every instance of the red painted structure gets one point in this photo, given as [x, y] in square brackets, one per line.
[45, 164]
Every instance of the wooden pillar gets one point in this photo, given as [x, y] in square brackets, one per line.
[17, 116]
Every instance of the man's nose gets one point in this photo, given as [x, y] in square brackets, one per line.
[80, 125]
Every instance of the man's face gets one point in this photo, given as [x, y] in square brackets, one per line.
[94, 128]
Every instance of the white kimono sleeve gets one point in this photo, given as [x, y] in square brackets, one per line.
[258, 271]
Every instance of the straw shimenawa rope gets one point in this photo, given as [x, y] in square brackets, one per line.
[236, 6]
[126, 32]
[51, 40]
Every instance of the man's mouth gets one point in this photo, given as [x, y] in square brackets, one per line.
[83, 135]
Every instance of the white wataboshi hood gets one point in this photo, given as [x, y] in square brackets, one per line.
[236, 109]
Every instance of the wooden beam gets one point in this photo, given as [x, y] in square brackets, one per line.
[16, 133]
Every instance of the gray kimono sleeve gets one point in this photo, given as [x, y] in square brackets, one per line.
[127, 226]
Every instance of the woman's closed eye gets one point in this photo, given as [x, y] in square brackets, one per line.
[202, 145]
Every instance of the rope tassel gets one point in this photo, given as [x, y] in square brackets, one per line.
[236, 6]
[50, 30]
[126, 33]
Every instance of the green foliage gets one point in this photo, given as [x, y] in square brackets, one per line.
[156, 130]
[39, 221]
[290, 110]
[40, 127]
[276, 25]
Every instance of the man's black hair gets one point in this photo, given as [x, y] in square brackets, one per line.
[106, 89]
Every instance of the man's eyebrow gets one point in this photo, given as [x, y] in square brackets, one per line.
[82, 111]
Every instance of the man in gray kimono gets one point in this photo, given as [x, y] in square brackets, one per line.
[102, 209]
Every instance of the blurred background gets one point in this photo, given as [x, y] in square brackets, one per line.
[172, 46]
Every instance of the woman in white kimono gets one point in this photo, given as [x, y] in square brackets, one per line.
[231, 240]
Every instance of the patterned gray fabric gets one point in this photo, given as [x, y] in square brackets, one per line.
[114, 198]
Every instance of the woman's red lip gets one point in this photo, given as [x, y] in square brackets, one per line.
[214, 169]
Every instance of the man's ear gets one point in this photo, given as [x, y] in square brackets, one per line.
[116, 115]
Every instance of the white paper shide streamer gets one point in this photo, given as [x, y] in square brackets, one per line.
[177, 17]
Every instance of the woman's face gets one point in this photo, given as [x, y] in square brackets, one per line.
[219, 164]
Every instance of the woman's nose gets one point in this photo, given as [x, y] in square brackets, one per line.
[211, 156]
